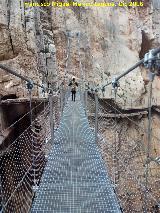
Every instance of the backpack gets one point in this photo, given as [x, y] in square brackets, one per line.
[73, 87]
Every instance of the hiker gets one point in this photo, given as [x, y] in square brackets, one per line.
[74, 86]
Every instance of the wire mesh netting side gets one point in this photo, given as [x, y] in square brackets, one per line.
[23, 161]
[90, 111]
[56, 110]
[126, 145]
[123, 143]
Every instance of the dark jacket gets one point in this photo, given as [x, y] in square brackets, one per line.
[73, 85]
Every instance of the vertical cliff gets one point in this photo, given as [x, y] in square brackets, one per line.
[111, 40]
[26, 46]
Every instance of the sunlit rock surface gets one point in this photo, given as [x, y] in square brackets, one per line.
[111, 40]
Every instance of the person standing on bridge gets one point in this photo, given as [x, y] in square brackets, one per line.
[73, 84]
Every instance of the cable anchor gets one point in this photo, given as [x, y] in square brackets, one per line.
[152, 62]
[43, 90]
[115, 83]
[103, 89]
[30, 85]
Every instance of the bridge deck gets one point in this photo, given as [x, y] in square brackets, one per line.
[75, 179]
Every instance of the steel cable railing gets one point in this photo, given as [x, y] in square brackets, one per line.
[22, 162]
[128, 151]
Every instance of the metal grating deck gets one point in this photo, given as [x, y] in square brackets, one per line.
[75, 178]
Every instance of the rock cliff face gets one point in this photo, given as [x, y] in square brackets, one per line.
[111, 40]
[36, 41]
[26, 46]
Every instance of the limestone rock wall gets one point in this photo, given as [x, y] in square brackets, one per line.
[26, 46]
[42, 42]
[111, 40]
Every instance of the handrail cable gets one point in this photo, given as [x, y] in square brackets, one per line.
[145, 130]
[153, 52]
[8, 148]
[28, 80]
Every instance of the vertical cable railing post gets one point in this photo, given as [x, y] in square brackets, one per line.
[81, 71]
[30, 87]
[51, 117]
[151, 62]
[61, 98]
[115, 140]
[67, 57]
[150, 115]
[115, 85]
[149, 137]
[86, 102]
[96, 116]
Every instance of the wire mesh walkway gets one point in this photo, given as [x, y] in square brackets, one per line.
[75, 179]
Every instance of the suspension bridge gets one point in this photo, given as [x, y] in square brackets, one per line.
[63, 163]
[75, 178]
